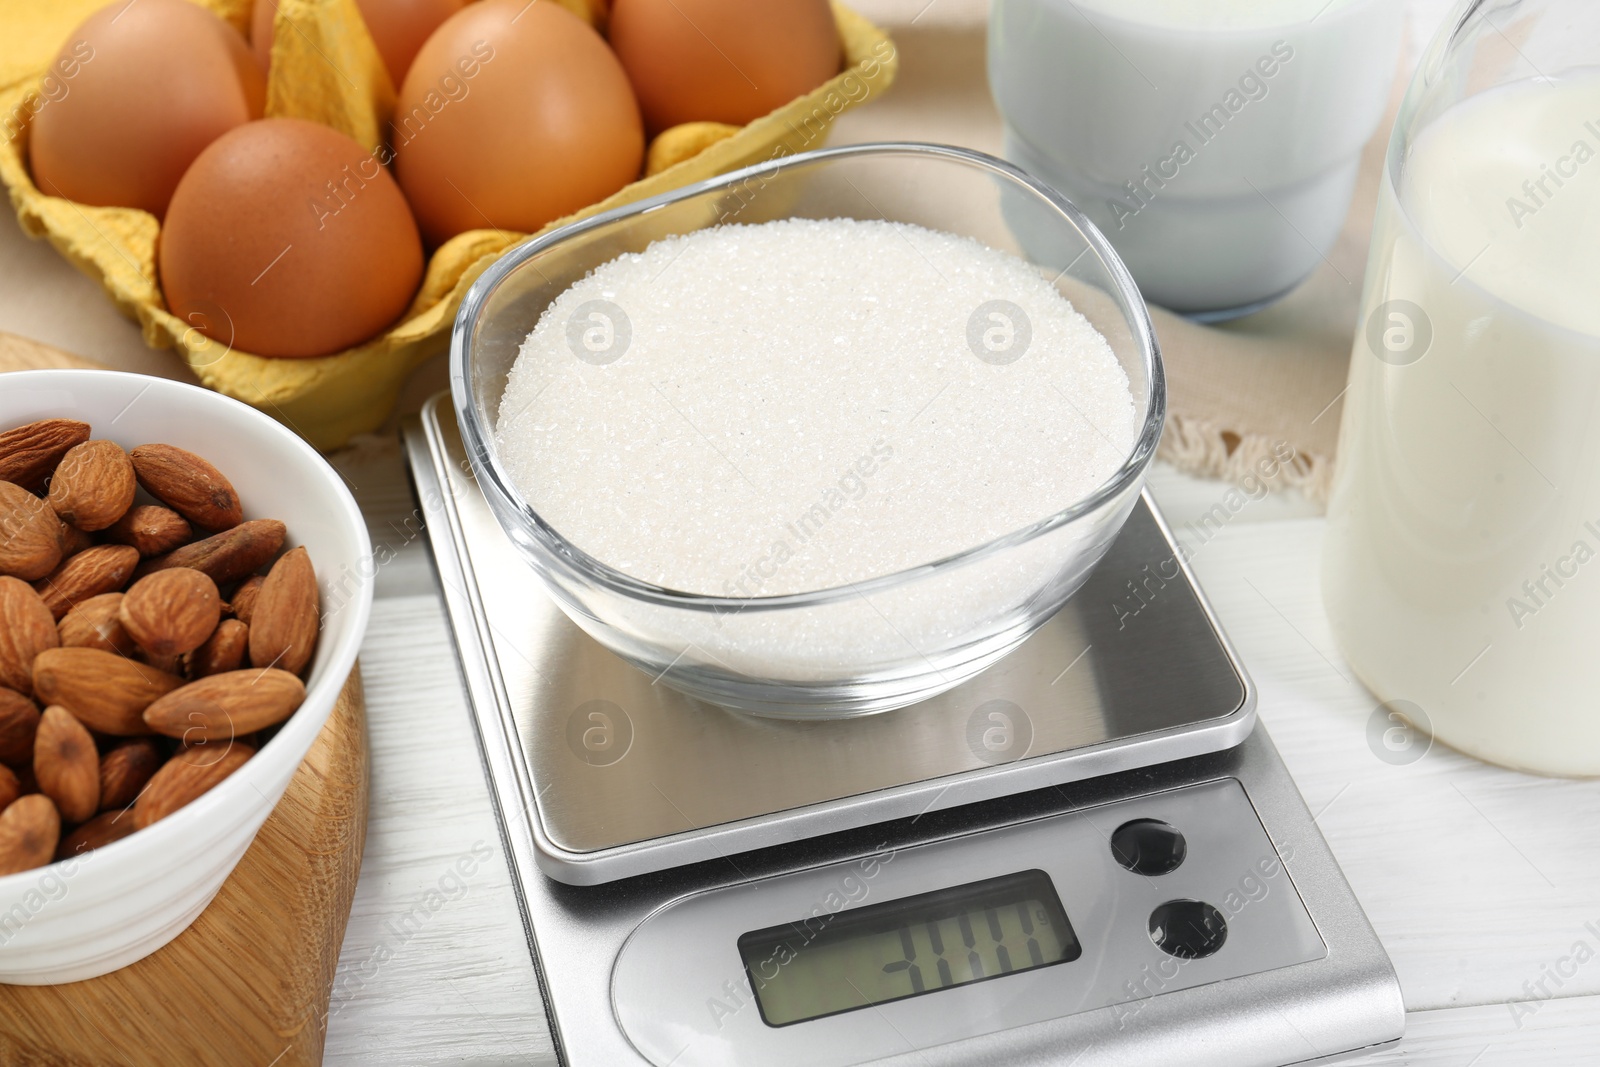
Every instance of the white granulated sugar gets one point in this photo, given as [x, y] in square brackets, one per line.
[797, 405]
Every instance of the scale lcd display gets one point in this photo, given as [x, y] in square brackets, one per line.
[903, 948]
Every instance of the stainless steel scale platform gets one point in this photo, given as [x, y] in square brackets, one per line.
[1090, 854]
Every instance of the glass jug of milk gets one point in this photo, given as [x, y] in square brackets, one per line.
[1215, 142]
[1462, 562]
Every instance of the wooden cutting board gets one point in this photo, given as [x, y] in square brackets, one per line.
[248, 984]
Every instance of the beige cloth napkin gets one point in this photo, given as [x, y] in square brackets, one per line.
[1237, 392]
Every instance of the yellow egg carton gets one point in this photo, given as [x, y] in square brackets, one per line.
[328, 70]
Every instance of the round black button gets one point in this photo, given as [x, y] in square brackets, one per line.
[1148, 846]
[1188, 929]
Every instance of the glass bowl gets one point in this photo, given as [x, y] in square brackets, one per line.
[872, 645]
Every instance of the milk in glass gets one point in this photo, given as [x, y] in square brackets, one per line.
[1462, 564]
[1215, 142]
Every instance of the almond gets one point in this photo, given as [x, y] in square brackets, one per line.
[188, 485]
[173, 664]
[101, 569]
[29, 453]
[284, 619]
[243, 603]
[19, 720]
[225, 706]
[94, 623]
[67, 766]
[107, 692]
[29, 829]
[30, 534]
[227, 556]
[223, 651]
[10, 788]
[151, 528]
[171, 612]
[73, 541]
[185, 777]
[24, 619]
[93, 486]
[96, 833]
[125, 770]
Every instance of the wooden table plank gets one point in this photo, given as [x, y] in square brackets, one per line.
[435, 967]
[1560, 1034]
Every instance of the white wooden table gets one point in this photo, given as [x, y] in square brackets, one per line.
[1479, 881]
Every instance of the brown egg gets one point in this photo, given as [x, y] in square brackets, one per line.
[261, 18]
[513, 115]
[153, 83]
[398, 28]
[286, 239]
[727, 61]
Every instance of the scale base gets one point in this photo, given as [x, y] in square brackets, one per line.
[1344, 1004]
[601, 850]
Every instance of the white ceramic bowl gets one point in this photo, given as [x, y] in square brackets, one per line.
[78, 919]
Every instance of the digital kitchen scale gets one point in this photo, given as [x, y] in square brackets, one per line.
[1090, 854]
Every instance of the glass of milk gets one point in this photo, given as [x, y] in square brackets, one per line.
[1215, 142]
[1462, 562]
